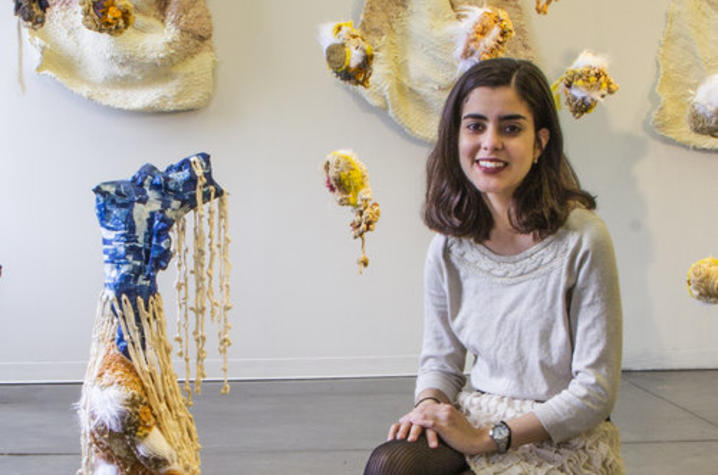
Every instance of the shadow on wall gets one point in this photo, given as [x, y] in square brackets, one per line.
[606, 161]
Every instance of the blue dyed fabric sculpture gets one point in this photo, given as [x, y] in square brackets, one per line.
[134, 418]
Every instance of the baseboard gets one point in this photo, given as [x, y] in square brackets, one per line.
[238, 369]
[324, 367]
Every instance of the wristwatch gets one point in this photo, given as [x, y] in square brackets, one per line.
[501, 434]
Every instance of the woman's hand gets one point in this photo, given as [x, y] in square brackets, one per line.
[453, 427]
[405, 429]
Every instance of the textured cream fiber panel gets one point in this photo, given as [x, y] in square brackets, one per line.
[687, 56]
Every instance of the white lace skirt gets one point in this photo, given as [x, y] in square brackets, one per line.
[596, 451]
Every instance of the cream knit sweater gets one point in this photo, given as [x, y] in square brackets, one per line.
[544, 324]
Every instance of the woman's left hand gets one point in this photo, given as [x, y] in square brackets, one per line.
[453, 427]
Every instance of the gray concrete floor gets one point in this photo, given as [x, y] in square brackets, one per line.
[668, 422]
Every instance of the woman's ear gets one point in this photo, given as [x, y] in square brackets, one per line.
[542, 138]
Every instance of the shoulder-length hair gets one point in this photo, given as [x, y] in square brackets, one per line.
[542, 201]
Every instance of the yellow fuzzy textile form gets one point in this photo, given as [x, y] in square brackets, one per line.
[542, 6]
[686, 58]
[414, 46]
[347, 178]
[347, 53]
[584, 84]
[703, 280]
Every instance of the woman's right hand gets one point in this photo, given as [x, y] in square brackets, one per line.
[404, 429]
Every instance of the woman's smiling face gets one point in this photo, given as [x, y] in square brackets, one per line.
[497, 141]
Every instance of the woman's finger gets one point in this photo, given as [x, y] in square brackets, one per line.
[414, 433]
[392, 431]
[403, 431]
[432, 439]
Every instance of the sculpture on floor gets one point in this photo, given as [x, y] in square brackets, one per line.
[134, 418]
[348, 179]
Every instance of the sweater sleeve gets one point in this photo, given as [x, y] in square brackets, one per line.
[441, 365]
[595, 315]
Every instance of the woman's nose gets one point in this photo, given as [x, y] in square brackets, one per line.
[491, 139]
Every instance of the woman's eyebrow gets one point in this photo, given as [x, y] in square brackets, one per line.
[474, 116]
[501, 117]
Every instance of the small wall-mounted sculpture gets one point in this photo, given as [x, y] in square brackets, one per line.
[584, 84]
[348, 179]
[703, 113]
[702, 280]
[150, 55]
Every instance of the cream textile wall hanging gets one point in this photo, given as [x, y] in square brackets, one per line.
[163, 61]
[687, 58]
[415, 60]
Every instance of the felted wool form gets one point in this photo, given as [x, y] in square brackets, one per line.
[143, 55]
[702, 280]
[703, 116]
[134, 418]
[415, 44]
[348, 180]
[584, 84]
[687, 60]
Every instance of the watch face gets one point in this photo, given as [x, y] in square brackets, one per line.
[500, 431]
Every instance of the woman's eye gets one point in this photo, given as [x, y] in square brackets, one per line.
[475, 126]
[513, 129]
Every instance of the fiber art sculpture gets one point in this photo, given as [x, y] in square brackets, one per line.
[688, 64]
[347, 178]
[134, 418]
[703, 280]
[347, 53]
[542, 6]
[107, 16]
[703, 114]
[405, 57]
[482, 34]
[32, 12]
[151, 55]
[584, 84]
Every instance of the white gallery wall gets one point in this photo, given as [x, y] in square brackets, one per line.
[301, 309]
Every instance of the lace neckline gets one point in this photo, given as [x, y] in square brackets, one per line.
[537, 257]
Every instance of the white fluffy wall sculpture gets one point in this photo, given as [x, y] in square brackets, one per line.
[142, 55]
[405, 57]
[688, 82]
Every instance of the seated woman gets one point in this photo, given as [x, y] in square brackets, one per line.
[522, 275]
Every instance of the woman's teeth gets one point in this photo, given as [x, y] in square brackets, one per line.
[490, 164]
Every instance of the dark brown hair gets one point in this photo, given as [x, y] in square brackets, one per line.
[544, 198]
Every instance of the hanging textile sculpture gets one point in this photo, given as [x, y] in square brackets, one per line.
[703, 114]
[406, 56]
[348, 179]
[542, 6]
[584, 84]
[134, 418]
[703, 280]
[688, 64]
[142, 55]
[32, 12]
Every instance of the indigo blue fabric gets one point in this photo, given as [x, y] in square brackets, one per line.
[136, 216]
